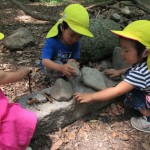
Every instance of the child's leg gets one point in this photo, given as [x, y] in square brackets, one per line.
[145, 112]
[137, 100]
[52, 74]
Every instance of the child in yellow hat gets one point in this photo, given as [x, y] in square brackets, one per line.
[17, 125]
[62, 41]
[135, 50]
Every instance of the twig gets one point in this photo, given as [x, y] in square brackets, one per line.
[30, 88]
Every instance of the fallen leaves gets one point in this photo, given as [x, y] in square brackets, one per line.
[72, 135]
[66, 135]
[146, 146]
[57, 145]
[95, 134]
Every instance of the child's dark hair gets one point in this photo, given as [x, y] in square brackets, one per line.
[140, 48]
[64, 25]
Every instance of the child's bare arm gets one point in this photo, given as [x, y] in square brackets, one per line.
[10, 77]
[66, 69]
[115, 73]
[105, 95]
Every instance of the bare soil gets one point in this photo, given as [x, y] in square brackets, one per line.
[107, 129]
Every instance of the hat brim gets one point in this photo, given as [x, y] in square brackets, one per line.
[54, 30]
[125, 34]
[80, 30]
[1, 36]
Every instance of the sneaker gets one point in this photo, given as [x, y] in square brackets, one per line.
[28, 148]
[140, 124]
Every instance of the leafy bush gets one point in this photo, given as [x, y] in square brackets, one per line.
[54, 1]
[57, 1]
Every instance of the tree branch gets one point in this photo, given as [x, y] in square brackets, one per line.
[141, 6]
[33, 14]
[107, 4]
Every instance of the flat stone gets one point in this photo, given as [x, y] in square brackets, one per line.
[93, 78]
[76, 66]
[54, 115]
[62, 90]
[40, 98]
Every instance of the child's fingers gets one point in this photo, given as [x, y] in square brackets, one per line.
[71, 68]
[78, 97]
[71, 60]
[112, 76]
[109, 71]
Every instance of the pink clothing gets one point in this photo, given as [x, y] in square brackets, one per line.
[17, 125]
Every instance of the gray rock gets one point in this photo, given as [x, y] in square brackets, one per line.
[116, 17]
[40, 98]
[100, 16]
[125, 10]
[54, 115]
[76, 66]
[62, 90]
[105, 64]
[103, 43]
[92, 78]
[145, 17]
[19, 39]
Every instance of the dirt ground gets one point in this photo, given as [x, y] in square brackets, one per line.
[107, 129]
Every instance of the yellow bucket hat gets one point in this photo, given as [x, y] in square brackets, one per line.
[140, 31]
[76, 17]
[1, 36]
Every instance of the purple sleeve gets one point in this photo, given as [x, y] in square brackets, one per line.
[48, 49]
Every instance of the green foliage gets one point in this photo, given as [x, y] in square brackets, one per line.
[53, 1]
[94, 1]
[58, 1]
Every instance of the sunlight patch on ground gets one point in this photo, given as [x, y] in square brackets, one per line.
[8, 11]
[27, 19]
[53, 4]
[6, 67]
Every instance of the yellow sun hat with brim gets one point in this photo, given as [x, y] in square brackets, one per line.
[140, 31]
[77, 18]
[1, 36]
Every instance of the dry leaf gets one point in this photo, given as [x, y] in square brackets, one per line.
[123, 137]
[83, 134]
[24, 61]
[86, 127]
[55, 136]
[72, 136]
[57, 145]
[146, 146]
[65, 129]
[114, 134]
[93, 121]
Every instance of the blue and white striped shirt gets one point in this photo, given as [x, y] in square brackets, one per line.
[139, 76]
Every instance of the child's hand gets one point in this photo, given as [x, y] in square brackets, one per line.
[27, 71]
[83, 97]
[73, 60]
[112, 73]
[68, 70]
